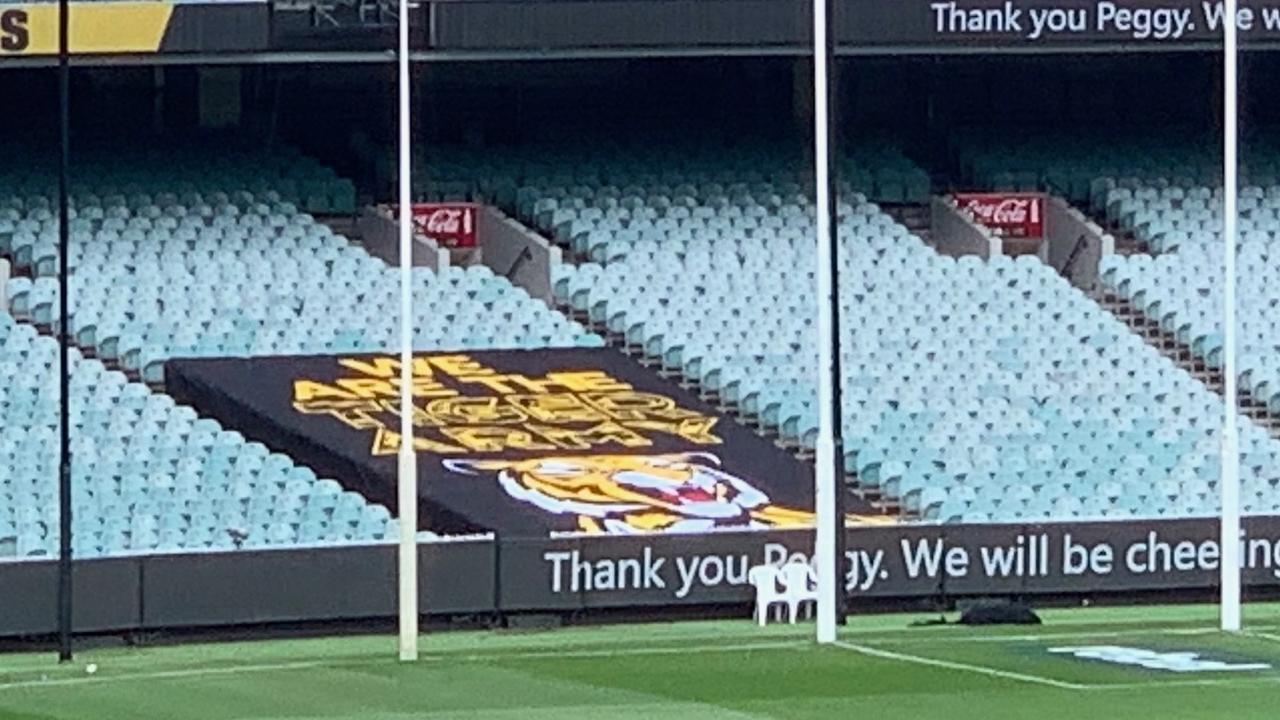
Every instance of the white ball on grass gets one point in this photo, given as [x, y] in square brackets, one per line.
[91, 668]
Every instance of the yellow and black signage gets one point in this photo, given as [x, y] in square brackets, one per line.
[94, 27]
[519, 442]
[463, 407]
[104, 27]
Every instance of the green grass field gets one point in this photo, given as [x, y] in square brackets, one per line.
[880, 669]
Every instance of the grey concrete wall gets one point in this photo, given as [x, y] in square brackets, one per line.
[380, 237]
[1064, 227]
[503, 240]
[955, 234]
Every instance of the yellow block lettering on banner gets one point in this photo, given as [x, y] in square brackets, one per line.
[95, 27]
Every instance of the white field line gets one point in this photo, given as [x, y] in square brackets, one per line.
[157, 675]
[964, 667]
[1261, 635]
[629, 652]
[338, 663]
[691, 648]
[1036, 637]
[1191, 682]
[1023, 677]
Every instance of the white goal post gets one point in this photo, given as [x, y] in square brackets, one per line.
[407, 479]
[1229, 584]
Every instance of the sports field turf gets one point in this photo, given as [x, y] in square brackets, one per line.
[725, 669]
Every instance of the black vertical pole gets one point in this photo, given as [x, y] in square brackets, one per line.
[833, 187]
[64, 370]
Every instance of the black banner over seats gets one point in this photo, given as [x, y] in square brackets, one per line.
[519, 442]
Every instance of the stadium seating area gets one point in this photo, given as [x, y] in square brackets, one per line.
[518, 177]
[208, 259]
[1085, 168]
[973, 391]
[1180, 286]
[181, 166]
[1165, 189]
[221, 271]
[149, 475]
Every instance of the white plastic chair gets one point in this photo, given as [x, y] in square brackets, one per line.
[765, 580]
[800, 586]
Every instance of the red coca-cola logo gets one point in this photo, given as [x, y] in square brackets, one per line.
[449, 225]
[1006, 214]
[444, 220]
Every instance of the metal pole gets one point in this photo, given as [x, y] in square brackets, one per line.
[65, 587]
[833, 237]
[407, 489]
[1230, 538]
[825, 490]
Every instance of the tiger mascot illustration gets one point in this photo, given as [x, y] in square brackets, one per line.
[623, 494]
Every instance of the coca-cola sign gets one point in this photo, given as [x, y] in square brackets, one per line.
[449, 224]
[1019, 215]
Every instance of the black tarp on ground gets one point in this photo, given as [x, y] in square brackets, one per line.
[521, 442]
